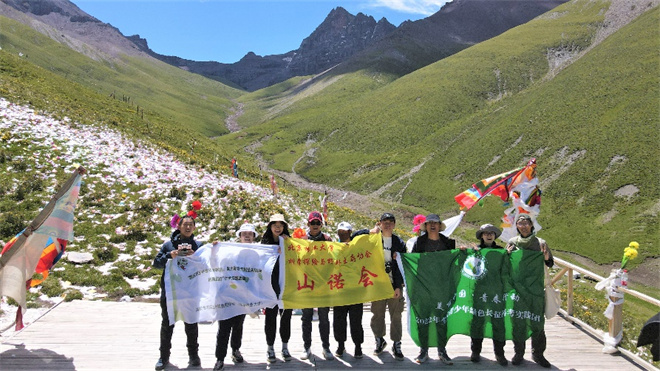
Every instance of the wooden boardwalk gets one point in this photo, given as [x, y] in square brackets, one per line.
[95, 335]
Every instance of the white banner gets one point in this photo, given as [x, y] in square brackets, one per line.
[220, 281]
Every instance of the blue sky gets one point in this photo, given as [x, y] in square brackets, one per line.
[226, 30]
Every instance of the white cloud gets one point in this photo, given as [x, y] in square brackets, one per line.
[425, 7]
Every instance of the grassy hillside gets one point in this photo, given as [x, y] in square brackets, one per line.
[488, 109]
[160, 89]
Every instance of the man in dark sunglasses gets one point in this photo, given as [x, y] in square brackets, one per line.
[314, 233]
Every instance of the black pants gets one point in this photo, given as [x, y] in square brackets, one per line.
[166, 331]
[354, 313]
[538, 344]
[270, 326]
[324, 326]
[233, 325]
[498, 346]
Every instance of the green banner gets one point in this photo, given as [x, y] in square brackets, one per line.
[486, 293]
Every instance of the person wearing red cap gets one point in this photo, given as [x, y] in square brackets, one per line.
[314, 233]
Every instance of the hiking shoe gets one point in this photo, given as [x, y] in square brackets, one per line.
[475, 357]
[501, 359]
[327, 354]
[162, 363]
[194, 361]
[340, 351]
[444, 358]
[541, 361]
[358, 352]
[271, 356]
[236, 356]
[380, 346]
[285, 354]
[219, 365]
[307, 354]
[396, 351]
[423, 355]
[517, 359]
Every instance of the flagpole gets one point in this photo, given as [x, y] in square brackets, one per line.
[38, 221]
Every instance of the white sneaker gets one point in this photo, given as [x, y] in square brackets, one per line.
[327, 354]
[307, 354]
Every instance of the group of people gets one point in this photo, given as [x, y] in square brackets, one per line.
[430, 239]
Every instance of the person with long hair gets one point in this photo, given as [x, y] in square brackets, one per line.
[277, 228]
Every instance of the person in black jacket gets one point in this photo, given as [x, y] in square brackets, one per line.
[314, 233]
[392, 245]
[354, 311]
[277, 227]
[432, 241]
[182, 243]
[487, 234]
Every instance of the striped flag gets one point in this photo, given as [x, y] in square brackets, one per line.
[39, 246]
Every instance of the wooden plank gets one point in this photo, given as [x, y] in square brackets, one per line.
[93, 335]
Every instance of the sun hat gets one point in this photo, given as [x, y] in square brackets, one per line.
[344, 226]
[246, 227]
[432, 218]
[277, 218]
[488, 228]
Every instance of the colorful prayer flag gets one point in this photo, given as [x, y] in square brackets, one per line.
[486, 293]
[40, 245]
[329, 274]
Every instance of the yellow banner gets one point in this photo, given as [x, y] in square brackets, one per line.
[329, 274]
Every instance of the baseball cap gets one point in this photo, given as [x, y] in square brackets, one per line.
[315, 215]
[345, 226]
[387, 216]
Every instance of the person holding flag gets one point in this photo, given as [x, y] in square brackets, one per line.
[392, 245]
[233, 327]
[487, 234]
[354, 311]
[277, 227]
[182, 243]
[314, 233]
[432, 241]
[527, 240]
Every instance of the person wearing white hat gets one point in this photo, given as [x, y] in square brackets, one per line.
[354, 312]
[246, 233]
[233, 326]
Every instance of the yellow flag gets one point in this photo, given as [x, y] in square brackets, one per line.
[329, 274]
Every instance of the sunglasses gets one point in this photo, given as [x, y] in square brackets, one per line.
[315, 222]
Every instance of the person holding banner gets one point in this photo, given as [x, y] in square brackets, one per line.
[527, 240]
[233, 326]
[277, 227]
[432, 241]
[182, 243]
[392, 245]
[487, 234]
[354, 312]
[314, 233]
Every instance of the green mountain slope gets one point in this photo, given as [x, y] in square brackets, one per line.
[593, 127]
[182, 98]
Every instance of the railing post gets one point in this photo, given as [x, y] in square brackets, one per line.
[569, 293]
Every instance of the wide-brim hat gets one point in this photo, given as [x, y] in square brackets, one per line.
[246, 227]
[277, 218]
[488, 228]
[432, 218]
